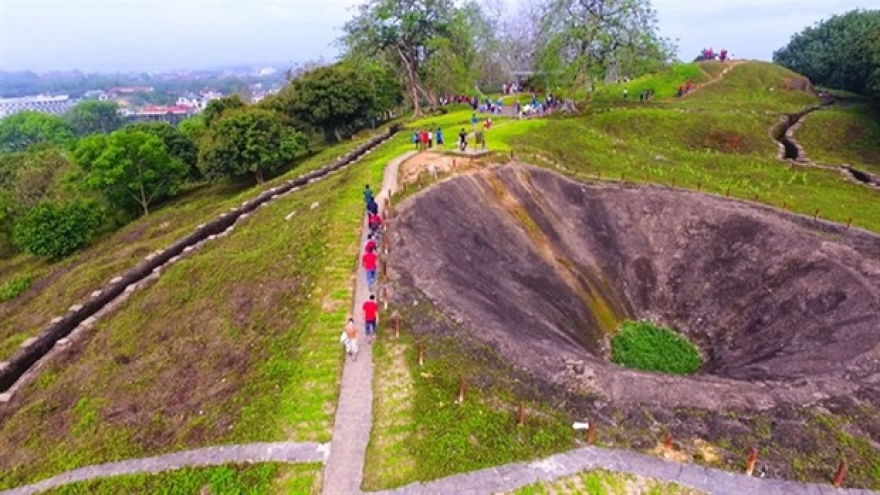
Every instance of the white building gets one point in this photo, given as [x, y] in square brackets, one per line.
[41, 103]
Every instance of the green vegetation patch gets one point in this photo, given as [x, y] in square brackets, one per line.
[644, 346]
[422, 433]
[224, 480]
[234, 344]
[601, 482]
[843, 135]
[14, 287]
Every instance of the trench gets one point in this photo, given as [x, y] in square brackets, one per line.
[863, 177]
[780, 133]
[28, 356]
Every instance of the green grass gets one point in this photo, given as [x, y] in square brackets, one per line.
[647, 347]
[13, 288]
[255, 479]
[601, 482]
[234, 344]
[843, 134]
[71, 281]
[421, 433]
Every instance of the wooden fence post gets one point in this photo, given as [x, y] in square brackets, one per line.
[462, 386]
[591, 433]
[395, 317]
[521, 417]
[421, 354]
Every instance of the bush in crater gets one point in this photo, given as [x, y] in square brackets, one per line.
[647, 347]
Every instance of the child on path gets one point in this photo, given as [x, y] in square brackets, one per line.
[371, 310]
[349, 339]
[370, 245]
[374, 221]
[368, 194]
[369, 261]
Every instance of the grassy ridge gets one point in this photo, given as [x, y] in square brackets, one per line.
[234, 344]
[58, 286]
[600, 482]
[224, 480]
[843, 135]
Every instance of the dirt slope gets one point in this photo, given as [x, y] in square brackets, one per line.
[785, 310]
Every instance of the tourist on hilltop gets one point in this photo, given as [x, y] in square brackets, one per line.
[371, 310]
[369, 261]
[372, 206]
[370, 245]
[349, 340]
[368, 194]
[374, 221]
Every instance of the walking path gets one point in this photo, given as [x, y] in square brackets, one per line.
[713, 481]
[210, 456]
[354, 414]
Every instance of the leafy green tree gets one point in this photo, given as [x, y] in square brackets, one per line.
[132, 168]
[56, 230]
[406, 32]
[24, 129]
[9, 210]
[336, 99]
[217, 108]
[193, 128]
[249, 141]
[38, 176]
[92, 116]
[582, 39]
[842, 52]
[178, 144]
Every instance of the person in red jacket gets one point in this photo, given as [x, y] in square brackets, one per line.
[369, 261]
[374, 221]
[370, 245]
[371, 310]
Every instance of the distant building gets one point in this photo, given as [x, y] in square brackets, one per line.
[171, 114]
[268, 71]
[127, 90]
[41, 103]
[191, 101]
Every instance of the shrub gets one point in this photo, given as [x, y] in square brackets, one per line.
[13, 288]
[644, 346]
[57, 230]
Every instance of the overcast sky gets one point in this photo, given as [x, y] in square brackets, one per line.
[110, 35]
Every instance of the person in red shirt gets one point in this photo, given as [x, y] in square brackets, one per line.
[371, 310]
[374, 221]
[369, 261]
[370, 245]
[423, 138]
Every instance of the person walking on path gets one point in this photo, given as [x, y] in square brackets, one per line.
[462, 140]
[372, 206]
[374, 221]
[370, 245]
[439, 136]
[369, 261]
[371, 310]
[368, 194]
[349, 339]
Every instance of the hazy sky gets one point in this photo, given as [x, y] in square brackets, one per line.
[108, 35]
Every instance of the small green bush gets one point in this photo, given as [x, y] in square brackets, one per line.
[13, 288]
[57, 230]
[644, 346]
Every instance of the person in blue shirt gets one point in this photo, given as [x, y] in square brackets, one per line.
[474, 120]
[415, 139]
[368, 194]
[439, 135]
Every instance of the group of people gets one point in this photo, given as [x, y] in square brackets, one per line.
[423, 139]
[709, 54]
[685, 89]
[370, 263]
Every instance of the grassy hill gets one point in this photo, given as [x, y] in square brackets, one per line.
[238, 342]
[843, 134]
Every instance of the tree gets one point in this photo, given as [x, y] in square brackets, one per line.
[583, 39]
[842, 52]
[408, 32]
[250, 140]
[57, 230]
[179, 145]
[37, 177]
[336, 99]
[216, 108]
[193, 128]
[132, 168]
[24, 129]
[92, 116]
